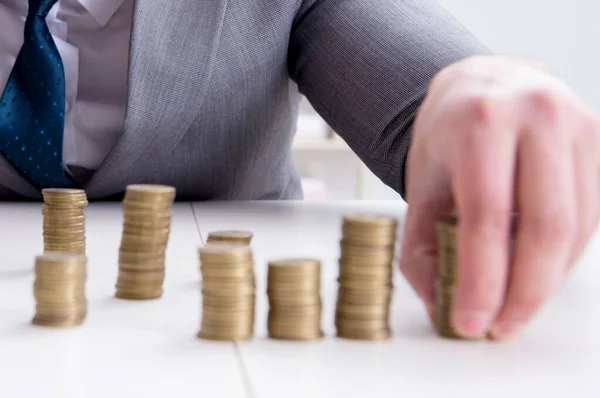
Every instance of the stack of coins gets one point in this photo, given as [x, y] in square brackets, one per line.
[64, 220]
[294, 290]
[445, 284]
[239, 237]
[365, 279]
[446, 280]
[146, 228]
[59, 289]
[228, 292]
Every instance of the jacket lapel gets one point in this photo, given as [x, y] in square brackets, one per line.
[173, 46]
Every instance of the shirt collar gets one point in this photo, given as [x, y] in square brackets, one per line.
[102, 10]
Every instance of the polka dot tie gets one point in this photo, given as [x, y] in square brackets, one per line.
[32, 107]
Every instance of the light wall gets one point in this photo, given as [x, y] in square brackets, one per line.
[562, 34]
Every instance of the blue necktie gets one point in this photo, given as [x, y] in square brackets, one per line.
[32, 107]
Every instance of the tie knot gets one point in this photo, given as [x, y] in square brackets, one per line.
[41, 7]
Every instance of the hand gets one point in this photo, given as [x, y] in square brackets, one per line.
[496, 136]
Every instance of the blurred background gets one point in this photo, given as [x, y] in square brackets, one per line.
[562, 35]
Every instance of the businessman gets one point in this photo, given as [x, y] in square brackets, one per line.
[203, 95]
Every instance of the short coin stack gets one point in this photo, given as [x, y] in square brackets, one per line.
[59, 289]
[446, 279]
[239, 237]
[64, 220]
[365, 279]
[294, 287]
[228, 292]
[146, 228]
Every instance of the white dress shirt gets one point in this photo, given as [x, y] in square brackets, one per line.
[92, 37]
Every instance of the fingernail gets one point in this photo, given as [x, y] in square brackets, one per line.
[506, 329]
[472, 323]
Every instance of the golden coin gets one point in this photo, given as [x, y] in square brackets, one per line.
[137, 214]
[144, 240]
[221, 336]
[294, 266]
[242, 325]
[145, 191]
[58, 291]
[228, 321]
[63, 322]
[224, 254]
[135, 256]
[249, 279]
[64, 197]
[370, 335]
[296, 312]
[146, 210]
[215, 268]
[246, 271]
[50, 247]
[362, 324]
[61, 231]
[302, 286]
[303, 332]
[381, 296]
[231, 301]
[229, 235]
[366, 273]
[228, 317]
[61, 212]
[227, 289]
[217, 305]
[130, 294]
[141, 276]
[146, 231]
[143, 267]
[370, 220]
[292, 301]
[364, 254]
[365, 285]
[348, 310]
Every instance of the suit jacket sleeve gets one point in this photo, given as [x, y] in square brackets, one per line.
[365, 66]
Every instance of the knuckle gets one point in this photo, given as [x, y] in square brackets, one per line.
[544, 102]
[478, 108]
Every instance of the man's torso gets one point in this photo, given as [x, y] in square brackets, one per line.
[201, 100]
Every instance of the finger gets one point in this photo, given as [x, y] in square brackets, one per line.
[547, 225]
[428, 198]
[483, 183]
[587, 190]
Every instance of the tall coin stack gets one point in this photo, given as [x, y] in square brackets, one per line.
[64, 220]
[239, 237]
[294, 290]
[365, 278]
[446, 280]
[228, 292]
[146, 228]
[59, 289]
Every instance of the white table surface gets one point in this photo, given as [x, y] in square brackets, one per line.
[149, 349]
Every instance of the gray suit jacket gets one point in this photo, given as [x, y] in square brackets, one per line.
[214, 89]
